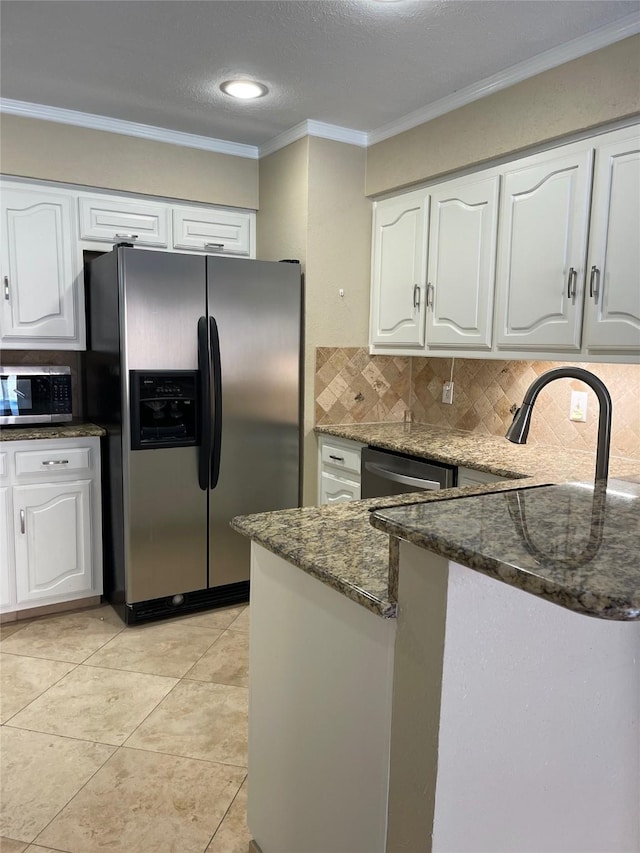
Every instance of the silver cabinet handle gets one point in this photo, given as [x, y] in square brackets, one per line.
[214, 245]
[571, 283]
[56, 462]
[23, 527]
[416, 295]
[6, 287]
[594, 282]
[127, 236]
[430, 289]
[337, 458]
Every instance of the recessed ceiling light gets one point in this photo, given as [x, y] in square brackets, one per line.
[244, 89]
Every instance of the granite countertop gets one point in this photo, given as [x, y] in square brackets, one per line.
[490, 453]
[74, 429]
[572, 544]
[338, 544]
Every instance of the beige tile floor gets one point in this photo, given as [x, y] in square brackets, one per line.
[124, 739]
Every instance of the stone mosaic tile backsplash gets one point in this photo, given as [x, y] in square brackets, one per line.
[355, 387]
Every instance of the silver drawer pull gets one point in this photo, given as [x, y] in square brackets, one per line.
[126, 236]
[594, 282]
[56, 462]
[571, 283]
[6, 287]
[22, 522]
[214, 245]
[337, 458]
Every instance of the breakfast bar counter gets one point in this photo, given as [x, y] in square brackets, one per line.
[400, 677]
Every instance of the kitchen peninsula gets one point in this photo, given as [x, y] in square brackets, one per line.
[481, 717]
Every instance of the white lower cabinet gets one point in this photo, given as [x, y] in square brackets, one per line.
[7, 584]
[52, 540]
[338, 470]
[473, 477]
[51, 519]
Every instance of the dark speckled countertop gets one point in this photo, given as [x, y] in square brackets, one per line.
[75, 429]
[338, 544]
[571, 544]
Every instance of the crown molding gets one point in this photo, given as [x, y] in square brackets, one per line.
[127, 128]
[315, 128]
[621, 29]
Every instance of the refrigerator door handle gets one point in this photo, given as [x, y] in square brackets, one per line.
[216, 444]
[204, 371]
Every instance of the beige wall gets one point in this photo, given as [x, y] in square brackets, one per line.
[338, 256]
[590, 91]
[281, 225]
[31, 148]
[312, 207]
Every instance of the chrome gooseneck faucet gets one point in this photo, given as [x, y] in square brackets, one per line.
[519, 429]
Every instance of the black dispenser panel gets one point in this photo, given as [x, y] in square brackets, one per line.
[164, 408]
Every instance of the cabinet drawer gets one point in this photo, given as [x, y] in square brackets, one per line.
[49, 463]
[104, 219]
[341, 456]
[213, 231]
[473, 477]
[4, 466]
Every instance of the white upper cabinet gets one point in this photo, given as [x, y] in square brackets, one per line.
[542, 251]
[400, 227]
[612, 310]
[217, 232]
[462, 251]
[113, 219]
[41, 299]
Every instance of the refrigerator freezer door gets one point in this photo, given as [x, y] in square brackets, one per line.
[257, 309]
[162, 297]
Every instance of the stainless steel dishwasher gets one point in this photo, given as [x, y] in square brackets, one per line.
[384, 472]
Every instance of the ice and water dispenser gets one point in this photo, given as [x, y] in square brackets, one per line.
[164, 408]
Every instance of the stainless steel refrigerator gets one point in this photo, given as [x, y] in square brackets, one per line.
[193, 368]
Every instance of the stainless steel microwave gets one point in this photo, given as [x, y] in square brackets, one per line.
[35, 395]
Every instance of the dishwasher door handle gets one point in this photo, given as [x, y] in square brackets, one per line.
[430, 485]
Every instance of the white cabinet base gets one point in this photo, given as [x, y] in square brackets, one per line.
[50, 524]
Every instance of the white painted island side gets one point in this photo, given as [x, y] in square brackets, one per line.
[482, 719]
[533, 742]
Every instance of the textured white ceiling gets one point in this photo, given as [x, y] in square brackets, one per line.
[356, 63]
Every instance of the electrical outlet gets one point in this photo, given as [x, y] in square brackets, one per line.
[447, 392]
[578, 410]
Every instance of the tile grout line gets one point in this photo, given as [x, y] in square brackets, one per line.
[24, 707]
[225, 814]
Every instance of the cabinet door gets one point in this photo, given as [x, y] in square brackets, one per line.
[542, 251]
[39, 268]
[462, 251]
[52, 528]
[7, 581]
[112, 219]
[217, 232]
[612, 318]
[335, 490]
[400, 228]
